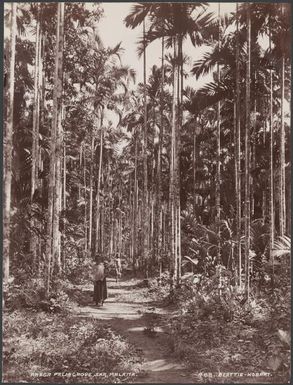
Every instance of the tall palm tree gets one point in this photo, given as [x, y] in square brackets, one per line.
[8, 148]
[247, 152]
[35, 133]
[271, 123]
[52, 244]
[237, 139]
[138, 16]
[282, 209]
[56, 245]
[159, 200]
[218, 177]
[36, 122]
[145, 167]
[174, 164]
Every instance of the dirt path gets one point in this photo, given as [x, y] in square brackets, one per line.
[129, 312]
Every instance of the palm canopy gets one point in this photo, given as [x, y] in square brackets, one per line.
[225, 55]
[270, 18]
[170, 20]
[193, 27]
[221, 49]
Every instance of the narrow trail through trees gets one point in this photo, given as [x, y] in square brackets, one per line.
[134, 317]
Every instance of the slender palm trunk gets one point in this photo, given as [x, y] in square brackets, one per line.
[8, 149]
[153, 207]
[238, 152]
[59, 144]
[175, 243]
[53, 222]
[173, 165]
[102, 228]
[247, 153]
[64, 177]
[35, 134]
[135, 205]
[111, 215]
[218, 177]
[111, 242]
[253, 162]
[145, 171]
[159, 162]
[194, 157]
[85, 202]
[236, 172]
[119, 223]
[91, 194]
[282, 208]
[99, 188]
[272, 217]
[266, 184]
[63, 207]
[80, 171]
[131, 219]
[263, 206]
[178, 150]
[164, 226]
[42, 227]
[152, 238]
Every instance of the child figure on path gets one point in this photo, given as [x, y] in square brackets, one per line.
[118, 267]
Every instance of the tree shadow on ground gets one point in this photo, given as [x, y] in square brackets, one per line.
[85, 298]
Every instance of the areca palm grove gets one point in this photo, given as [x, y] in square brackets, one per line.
[185, 175]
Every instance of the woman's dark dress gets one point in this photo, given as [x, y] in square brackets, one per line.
[100, 291]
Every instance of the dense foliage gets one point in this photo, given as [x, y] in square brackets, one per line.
[86, 352]
[191, 186]
[102, 206]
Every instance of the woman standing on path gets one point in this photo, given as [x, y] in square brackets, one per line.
[100, 285]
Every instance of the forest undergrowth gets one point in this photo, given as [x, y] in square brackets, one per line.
[211, 328]
[219, 334]
[45, 341]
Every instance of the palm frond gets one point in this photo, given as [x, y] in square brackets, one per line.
[207, 96]
[282, 246]
[137, 14]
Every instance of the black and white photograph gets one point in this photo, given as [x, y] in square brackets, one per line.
[146, 192]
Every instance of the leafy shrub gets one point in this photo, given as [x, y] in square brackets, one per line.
[216, 327]
[28, 294]
[38, 342]
[159, 289]
[32, 294]
[79, 270]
